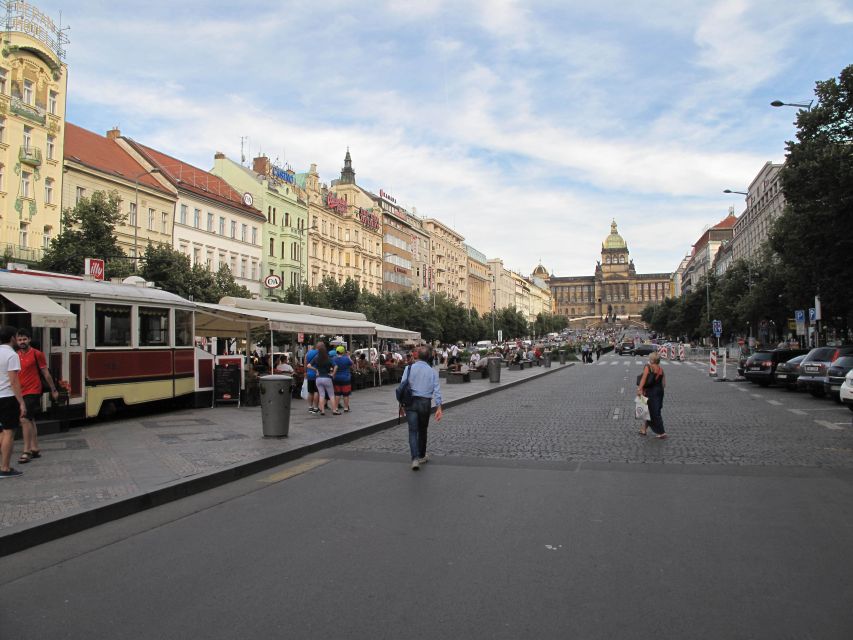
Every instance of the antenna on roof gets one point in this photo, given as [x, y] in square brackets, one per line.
[243, 140]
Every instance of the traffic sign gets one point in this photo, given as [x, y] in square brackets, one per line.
[812, 315]
[718, 328]
[272, 281]
[500, 335]
[800, 319]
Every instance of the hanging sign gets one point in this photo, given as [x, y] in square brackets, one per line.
[94, 267]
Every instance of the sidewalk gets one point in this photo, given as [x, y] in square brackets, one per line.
[102, 472]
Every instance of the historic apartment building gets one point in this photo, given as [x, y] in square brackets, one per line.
[502, 285]
[213, 224]
[615, 290]
[764, 204]
[33, 84]
[402, 241]
[449, 261]
[479, 283]
[704, 252]
[275, 192]
[345, 232]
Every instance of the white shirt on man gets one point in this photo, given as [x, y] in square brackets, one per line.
[9, 361]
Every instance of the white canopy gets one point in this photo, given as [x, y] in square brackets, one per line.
[43, 311]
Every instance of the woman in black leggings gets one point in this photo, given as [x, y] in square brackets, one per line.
[652, 384]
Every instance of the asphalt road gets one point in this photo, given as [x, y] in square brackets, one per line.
[542, 515]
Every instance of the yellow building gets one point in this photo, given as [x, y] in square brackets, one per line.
[479, 281]
[33, 82]
[99, 163]
[449, 261]
[345, 230]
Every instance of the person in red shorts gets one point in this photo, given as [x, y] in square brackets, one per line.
[343, 378]
[33, 367]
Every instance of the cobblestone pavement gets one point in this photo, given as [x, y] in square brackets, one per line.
[586, 414]
[104, 462]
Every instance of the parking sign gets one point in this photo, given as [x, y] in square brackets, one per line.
[812, 315]
[718, 328]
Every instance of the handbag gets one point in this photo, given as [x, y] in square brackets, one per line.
[641, 408]
[304, 393]
[404, 390]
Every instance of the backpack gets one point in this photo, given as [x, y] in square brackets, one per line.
[404, 390]
[651, 380]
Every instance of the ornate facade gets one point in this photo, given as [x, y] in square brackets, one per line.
[616, 292]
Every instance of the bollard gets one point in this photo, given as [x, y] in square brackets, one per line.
[712, 371]
[562, 357]
[275, 405]
[547, 357]
[494, 366]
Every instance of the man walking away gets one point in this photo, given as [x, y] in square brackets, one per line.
[12, 407]
[423, 381]
[33, 367]
[311, 377]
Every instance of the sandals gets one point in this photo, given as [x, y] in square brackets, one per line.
[35, 453]
[26, 456]
[662, 436]
[642, 433]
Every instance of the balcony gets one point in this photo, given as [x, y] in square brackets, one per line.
[15, 253]
[30, 156]
[29, 111]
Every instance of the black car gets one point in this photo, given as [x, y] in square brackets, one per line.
[645, 349]
[835, 376]
[741, 364]
[788, 372]
[762, 365]
[813, 369]
[625, 348]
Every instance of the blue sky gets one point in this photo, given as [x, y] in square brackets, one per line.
[526, 126]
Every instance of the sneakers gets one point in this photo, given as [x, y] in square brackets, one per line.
[415, 465]
[313, 410]
[424, 460]
[14, 473]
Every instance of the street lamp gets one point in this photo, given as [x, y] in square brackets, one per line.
[743, 193]
[301, 232]
[136, 213]
[802, 105]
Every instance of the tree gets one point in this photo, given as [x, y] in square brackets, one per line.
[171, 271]
[88, 231]
[812, 237]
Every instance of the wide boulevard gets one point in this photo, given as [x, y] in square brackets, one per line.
[542, 514]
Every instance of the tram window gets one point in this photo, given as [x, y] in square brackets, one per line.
[183, 328]
[153, 327]
[112, 325]
[74, 332]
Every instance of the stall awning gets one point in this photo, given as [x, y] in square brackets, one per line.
[44, 311]
[384, 331]
[224, 320]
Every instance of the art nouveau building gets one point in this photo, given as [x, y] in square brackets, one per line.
[449, 260]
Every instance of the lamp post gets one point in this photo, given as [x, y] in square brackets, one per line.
[743, 193]
[136, 214]
[304, 243]
[801, 105]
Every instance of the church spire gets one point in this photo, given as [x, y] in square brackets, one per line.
[347, 173]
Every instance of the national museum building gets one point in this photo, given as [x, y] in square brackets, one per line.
[616, 293]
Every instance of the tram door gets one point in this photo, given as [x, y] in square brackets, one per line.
[65, 352]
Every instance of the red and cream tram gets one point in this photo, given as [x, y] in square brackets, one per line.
[111, 343]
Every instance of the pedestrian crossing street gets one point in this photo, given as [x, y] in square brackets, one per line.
[641, 361]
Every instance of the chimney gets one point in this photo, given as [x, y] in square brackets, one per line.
[261, 165]
[114, 133]
[219, 156]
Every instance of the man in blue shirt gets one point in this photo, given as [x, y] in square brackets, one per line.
[311, 377]
[423, 381]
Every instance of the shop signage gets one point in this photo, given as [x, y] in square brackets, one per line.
[382, 194]
[272, 281]
[94, 267]
[368, 219]
[281, 174]
[335, 203]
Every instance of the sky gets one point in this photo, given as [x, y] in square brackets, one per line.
[525, 126]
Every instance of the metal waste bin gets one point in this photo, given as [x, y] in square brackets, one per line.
[275, 405]
[562, 357]
[547, 356]
[494, 366]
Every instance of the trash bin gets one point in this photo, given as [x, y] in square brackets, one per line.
[562, 357]
[547, 360]
[494, 366]
[275, 405]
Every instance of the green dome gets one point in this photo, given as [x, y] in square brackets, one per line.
[614, 240]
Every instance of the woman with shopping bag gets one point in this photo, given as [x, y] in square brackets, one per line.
[651, 387]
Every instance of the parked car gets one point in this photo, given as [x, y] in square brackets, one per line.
[813, 369]
[625, 348]
[645, 349]
[741, 365]
[788, 372]
[835, 376]
[763, 364]
[846, 391]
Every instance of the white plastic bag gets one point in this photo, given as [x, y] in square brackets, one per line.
[641, 408]
[304, 393]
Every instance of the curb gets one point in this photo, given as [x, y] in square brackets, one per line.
[65, 526]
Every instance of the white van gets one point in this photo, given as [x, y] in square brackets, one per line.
[483, 344]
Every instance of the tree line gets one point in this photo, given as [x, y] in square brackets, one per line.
[809, 251]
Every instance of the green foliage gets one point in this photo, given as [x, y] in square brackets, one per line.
[88, 231]
[170, 270]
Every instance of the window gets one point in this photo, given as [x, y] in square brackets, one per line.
[233, 229]
[273, 215]
[209, 260]
[51, 147]
[183, 328]
[2, 175]
[282, 249]
[112, 325]
[254, 235]
[25, 184]
[221, 226]
[28, 137]
[164, 223]
[3, 81]
[151, 219]
[286, 219]
[132, 216]
[153, 327]
[210, 221]
[24, 234]
[46, 237]
[51, 102]
[254, 270]
[28, 91]
[272, 248]
[2, 129]
[183, 215]
[48, 191]
[244, 230]
[197, 218]
[243, 266]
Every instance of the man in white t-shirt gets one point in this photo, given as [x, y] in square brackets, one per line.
[454, 355]
[12, 407]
